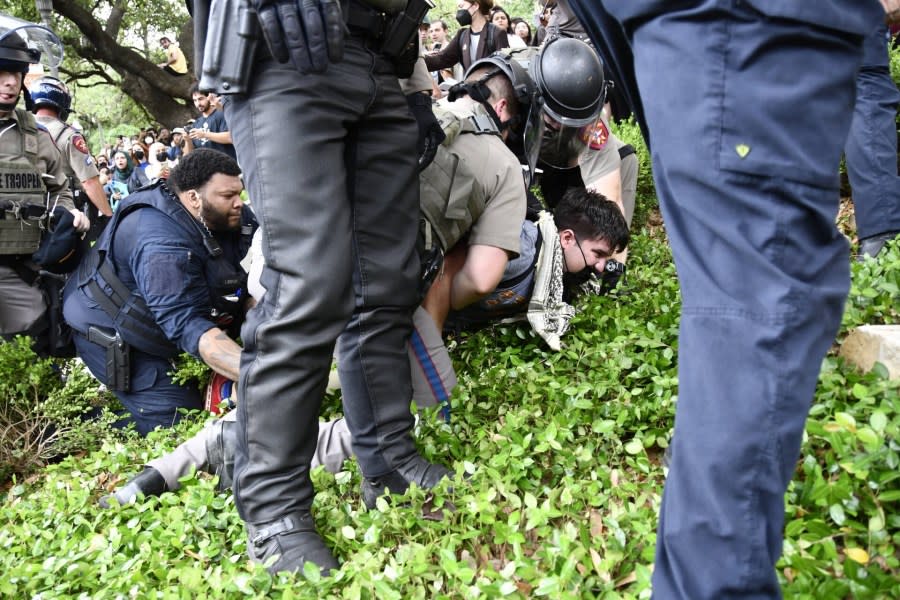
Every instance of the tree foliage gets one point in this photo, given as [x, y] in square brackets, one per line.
[114, 45]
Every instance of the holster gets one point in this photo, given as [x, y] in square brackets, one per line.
[401, 43]
[118, 357]
[229, 37]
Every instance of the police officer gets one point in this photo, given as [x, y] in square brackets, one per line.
[578, 149]
[51, 104]
[748, 105]
[483, 199]
[316, 96]
[32, 187]
[164, 278]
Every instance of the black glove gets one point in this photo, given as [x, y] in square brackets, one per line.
[430, 133]
[309, 33]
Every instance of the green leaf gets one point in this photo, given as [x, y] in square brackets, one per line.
[837, 513]
[635, 446]
[869, 438]
[860, 391]
[878, 421]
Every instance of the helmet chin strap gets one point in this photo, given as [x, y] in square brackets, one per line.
[479, 92]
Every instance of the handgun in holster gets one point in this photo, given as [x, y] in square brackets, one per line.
[118, 357]
[400, 43]
[229, 39]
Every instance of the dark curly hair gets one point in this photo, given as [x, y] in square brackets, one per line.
[592, 216]
[196, 168]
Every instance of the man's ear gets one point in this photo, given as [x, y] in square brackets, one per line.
[566, 237]
[501, 108]
[194, 198]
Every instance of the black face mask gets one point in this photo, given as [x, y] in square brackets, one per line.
[463, 17]
[162, 157]
[139, 154]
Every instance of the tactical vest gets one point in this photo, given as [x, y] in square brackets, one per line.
[127, 309]
[448, 206]
[22, 190]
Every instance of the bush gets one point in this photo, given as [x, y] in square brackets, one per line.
[42, 405]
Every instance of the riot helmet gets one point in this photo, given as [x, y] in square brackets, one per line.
[569, 77]
[50, 91]
[526, 127]
[22, 44]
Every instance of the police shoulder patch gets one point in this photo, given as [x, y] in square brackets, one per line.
[80, 144]
[595, 135]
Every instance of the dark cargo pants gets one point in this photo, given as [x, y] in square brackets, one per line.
[329, 162]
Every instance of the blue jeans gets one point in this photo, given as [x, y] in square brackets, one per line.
[871, 149]
[154, 399]
[747, 133]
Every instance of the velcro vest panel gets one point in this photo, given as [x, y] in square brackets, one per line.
[22, 188]
[449, 200]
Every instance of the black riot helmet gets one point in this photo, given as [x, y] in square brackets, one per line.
[22, 44]
[569, 76]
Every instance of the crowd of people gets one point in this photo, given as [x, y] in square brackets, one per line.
[447, 142]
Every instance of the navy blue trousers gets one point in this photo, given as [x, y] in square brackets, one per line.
[154, 399]
[871, 149]
[748, 116]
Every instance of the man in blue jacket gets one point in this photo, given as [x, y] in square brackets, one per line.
[165, 278]
[748, 105]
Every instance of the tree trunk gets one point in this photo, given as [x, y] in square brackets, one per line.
[164, 96]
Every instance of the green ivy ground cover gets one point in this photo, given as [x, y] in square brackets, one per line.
[563, 454]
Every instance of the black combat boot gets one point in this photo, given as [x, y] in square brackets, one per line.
[148, 482]
[294, 540]
[417, 470]
[871, 246]
[220, 444]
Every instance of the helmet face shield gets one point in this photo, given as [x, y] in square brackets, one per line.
[562, 145]
[532, 139]
[41, 44]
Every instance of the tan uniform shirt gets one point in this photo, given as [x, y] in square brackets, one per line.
[602, 155]
[77, 160]
[498, 178]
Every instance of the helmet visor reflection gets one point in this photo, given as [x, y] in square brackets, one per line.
[36, 37]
